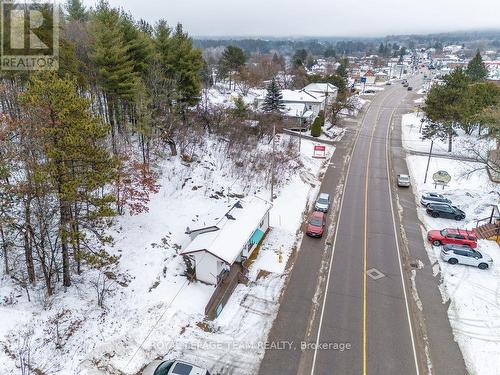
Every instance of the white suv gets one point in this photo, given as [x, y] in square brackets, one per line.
[463, 254]
[433, 198]
[173, 367]
[322, 203]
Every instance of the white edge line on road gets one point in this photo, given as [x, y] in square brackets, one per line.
[388, 148]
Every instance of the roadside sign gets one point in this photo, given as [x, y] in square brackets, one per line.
[363, 79]
[441, 178]
[319, 152]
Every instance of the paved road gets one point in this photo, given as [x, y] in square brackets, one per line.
[366, 302]
[367, 316]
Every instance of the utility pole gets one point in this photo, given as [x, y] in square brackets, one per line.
[299, 121]
[273, 161]
[300, 136]
[428, 161]
[326, 99]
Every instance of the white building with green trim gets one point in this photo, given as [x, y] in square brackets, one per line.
[215, 248]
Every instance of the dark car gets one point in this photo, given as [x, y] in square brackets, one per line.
[410, 88]
[445, 211]
[452, 236]
[316, 224]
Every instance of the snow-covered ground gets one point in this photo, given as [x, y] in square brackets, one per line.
[463, 145]
[224, 97]
[152, 310]
[474, 295]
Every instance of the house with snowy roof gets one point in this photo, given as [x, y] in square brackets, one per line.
[299, 104]
[326, 90]
[217, 246]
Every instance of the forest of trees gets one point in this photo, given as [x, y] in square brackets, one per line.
[77, 146]
[81, 145]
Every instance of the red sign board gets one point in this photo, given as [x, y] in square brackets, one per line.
[319, 152]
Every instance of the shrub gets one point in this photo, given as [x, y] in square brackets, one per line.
[316, 127]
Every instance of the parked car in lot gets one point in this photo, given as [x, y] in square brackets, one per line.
[463, 254]
[446, 211]
[449, 236]
[322, 203]
[410, 88]
[174, 368]
[403, 180]
[433, 198]
[316, 224]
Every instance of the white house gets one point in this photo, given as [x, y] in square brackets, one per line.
[215, 248]
[326, 90]
[299, 104]
[381, 77]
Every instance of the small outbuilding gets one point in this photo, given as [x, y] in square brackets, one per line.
[370, 77]
[214, 249]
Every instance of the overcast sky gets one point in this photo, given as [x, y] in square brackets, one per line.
[317, 17]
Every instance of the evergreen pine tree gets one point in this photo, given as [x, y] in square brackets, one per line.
[76, 11]
[476, 70]
[299, 58]
[181, 63]
[232, 60]
[316, 127]
[342, 69]
[77, 163]
[273, 103]
[115, 67]
[139, 43]
[240, 108]
[110, 53]
[381, 49]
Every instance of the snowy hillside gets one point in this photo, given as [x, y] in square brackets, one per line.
[151, 310]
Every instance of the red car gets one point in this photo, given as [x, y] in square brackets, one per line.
[452, 236]
[316, 224]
